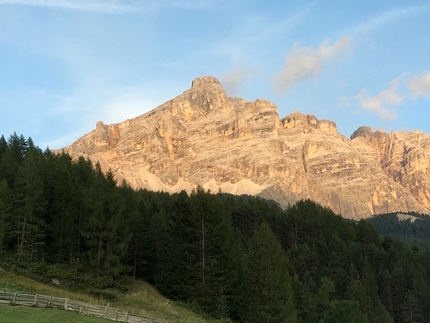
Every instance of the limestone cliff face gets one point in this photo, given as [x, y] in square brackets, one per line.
[202, 137]
[404, 157]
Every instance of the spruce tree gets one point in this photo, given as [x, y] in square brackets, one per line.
[29, 205]
[214, 241]
[411, 311]
[179, 277]
[345, 312]
[268, 293]
[5, 214]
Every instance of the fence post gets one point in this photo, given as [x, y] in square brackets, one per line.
[14, 299]
[66, 303]
[116, 317]
[106, 310]
[126, 317]
[50, 300]
[35, 300]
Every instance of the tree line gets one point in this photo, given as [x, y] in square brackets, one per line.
[234, 257]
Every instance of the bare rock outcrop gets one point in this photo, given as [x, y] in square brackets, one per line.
[202, 137]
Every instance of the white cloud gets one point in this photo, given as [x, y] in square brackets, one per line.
[81, 5]
[79, 112]
[326, 52]
[419, 85]
[186, 4]
[391, 16]
[382, 102]
[233, 79]
[118, 6]
[304, 63]
[343, 102]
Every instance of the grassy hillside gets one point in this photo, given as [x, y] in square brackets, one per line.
[141, 299]
[19, 314]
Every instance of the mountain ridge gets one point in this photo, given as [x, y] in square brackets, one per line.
[202, 137]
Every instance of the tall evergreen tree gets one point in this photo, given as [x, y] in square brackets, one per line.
[345, 312]
[268, 293]
[62, 212]
[29, 206]
[179, 278]
[104, 228]
[213, 247]
[411, 310]
[5, 214]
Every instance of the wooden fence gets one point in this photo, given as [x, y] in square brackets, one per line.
[106, 312]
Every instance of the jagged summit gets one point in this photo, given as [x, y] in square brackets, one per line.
[202, 137]
[204, 81]
[367, 132]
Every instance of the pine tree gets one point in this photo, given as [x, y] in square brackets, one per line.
[179, 276]
[62, 211]
[324, 295]
[12, 157]
[345, 312]
[104, 228]
[29, 206]
[161, 232]
[142, 253]
[268, 293]
[5, 214]
[385, 294]
[3, 145]
[398, 289]
[117, 227]
[411, 311]
[213, 246]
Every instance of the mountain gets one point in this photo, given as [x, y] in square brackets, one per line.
[202, 137]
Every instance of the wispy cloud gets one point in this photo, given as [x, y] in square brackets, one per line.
[383, 102]
[110, 105]
[118, 6]
[391, 16]
[419, 85]
[100, 6]
[186, 4]
[233, 79]
[255, 31]
[305, 63]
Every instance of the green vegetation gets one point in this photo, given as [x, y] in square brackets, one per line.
[413, 228]
[229, 258]
[20, 314]
[141, 298]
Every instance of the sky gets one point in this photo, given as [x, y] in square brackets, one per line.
[66, 64]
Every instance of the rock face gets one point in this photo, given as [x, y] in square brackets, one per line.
[202, 137]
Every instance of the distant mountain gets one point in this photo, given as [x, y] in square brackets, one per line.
[202, 137]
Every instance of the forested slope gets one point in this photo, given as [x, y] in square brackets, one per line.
[411, 228]
[231, 257]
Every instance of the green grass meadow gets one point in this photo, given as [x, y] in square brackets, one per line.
[141, 299]
[22, 314]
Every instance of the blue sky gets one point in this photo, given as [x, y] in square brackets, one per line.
[66, 64]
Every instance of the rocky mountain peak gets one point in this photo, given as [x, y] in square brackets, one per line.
[368, 133]
[202, 137]
[205, 81]
[299, 120]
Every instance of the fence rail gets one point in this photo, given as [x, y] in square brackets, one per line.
[67, 304]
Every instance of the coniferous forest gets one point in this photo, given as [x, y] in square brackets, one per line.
[241, 258]
[414, 231]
